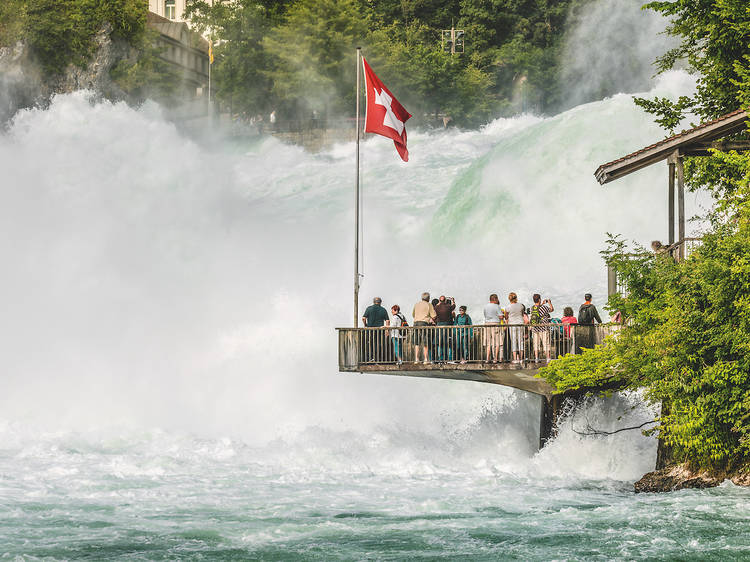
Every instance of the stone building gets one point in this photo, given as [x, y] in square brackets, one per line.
[186, 50]
[169, 9]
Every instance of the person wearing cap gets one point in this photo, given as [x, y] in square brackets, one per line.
[376, 316]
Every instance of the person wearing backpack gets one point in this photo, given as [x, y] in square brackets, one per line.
[587, 314]
[540, 316]
[397, 336]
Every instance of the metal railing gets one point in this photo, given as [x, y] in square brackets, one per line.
[679, 251]
[491, 346]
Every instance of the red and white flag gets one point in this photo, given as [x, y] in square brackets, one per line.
[384, 115]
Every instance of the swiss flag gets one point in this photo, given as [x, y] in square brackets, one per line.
[384, 115]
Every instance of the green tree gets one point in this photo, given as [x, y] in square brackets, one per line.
[313, 54]
[61, 32]
[241, 64]
[12, 19]
[715, 37]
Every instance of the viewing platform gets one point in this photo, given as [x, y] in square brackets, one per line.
[461, 352]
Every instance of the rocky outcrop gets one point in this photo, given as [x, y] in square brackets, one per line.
[23, 84]
[680, 477]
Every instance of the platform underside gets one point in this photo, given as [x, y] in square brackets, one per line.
[522, 377]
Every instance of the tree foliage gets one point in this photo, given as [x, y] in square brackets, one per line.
[715, 42]
[302, 54]
[61, 32]
[687, 335]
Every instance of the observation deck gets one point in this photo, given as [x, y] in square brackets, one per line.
[461, 352]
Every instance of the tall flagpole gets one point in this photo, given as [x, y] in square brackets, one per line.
[356, 201]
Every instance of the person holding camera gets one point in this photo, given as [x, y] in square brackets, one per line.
[540, 316]
[444, 317]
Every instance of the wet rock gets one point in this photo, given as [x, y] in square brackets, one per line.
[680, 477]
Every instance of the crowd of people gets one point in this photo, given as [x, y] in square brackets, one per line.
[453, 345]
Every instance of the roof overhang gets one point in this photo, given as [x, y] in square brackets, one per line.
[693, 142]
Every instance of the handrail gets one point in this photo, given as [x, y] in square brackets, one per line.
[483, 346]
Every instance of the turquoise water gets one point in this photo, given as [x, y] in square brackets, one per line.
[163, 496]
[170, 388]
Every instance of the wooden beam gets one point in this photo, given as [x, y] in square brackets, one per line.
[681, 205]
[670, 200]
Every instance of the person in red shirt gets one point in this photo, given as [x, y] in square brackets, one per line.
[568, 319]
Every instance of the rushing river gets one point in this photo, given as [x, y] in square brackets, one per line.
[169, 381]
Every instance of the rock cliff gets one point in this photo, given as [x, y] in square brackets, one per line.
[22, 83]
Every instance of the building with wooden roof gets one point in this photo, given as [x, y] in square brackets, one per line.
[697, 141]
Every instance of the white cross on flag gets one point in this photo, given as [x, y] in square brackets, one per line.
[384, 115]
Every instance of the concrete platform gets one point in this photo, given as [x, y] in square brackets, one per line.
[520, 376]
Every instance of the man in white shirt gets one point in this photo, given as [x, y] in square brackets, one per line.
[492, 336]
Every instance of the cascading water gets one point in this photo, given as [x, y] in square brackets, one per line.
[169, 380]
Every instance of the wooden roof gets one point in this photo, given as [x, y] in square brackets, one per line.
[693, 141]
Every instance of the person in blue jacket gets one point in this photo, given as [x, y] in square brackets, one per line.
[463, 334]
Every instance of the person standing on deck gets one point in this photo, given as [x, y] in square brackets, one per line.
[424, 315]
[444, 317]
[492, 337]
[516, 314]
[540, 316]
[587, 315]
[375, 316]
[463, 335]
[397, 335]
[568, 319]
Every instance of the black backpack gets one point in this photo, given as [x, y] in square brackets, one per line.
[586, 315]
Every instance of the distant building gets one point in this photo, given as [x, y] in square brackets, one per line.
[169, 9]
[184, 49]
